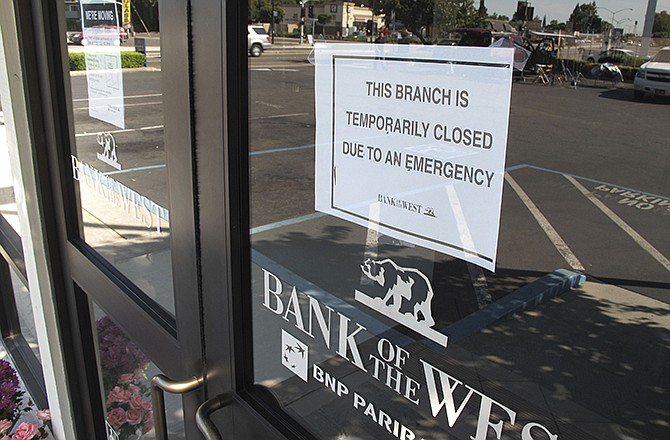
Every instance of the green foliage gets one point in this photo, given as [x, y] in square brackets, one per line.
[496, 16]
[260, 11]
[585, 18]
[662, 25]
[323, 18]
[129, 60]
[428, 19]
[77, 61]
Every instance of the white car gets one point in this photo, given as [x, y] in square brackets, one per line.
[612, 55]
[654, 76]
[258, 40]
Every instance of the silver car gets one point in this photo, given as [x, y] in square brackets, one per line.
[258, 40]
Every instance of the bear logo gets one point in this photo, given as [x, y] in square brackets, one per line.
[406, 291]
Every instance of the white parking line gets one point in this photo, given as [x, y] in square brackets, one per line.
[553, 235]
[278, 116]
[152, 95]
[644, 244]
[124, 104]
[127, 130]
[476, 273]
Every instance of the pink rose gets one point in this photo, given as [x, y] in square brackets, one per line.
[43, 415]
[125, 378]
[148, 422]
[136, 402]
[134, 389]
[117, 417]
[25, 431]
[5, 425]
[135, 416]
[119, 395]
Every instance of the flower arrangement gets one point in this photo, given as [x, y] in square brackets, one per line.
[129, 410]
[12, 405]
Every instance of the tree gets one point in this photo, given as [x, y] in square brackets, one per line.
[420, 16]
[323, 19]
[260, 11]
[661, 27]
[585, 18]
[144, 13]
[496, 16]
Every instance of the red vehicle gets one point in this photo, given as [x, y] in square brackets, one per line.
[102, 33]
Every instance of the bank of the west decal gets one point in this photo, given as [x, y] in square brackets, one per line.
[108, 155]
[332, 329]
[403, 294]
[412, 139]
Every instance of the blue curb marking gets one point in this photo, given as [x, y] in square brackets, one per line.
[530, 295]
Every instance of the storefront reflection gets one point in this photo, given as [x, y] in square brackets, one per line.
[567, 338]
[126, 381]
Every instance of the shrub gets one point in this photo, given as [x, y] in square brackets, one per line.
[77, 61]
[129, 60]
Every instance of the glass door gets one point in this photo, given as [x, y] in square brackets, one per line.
[448, 235]
[122, 167]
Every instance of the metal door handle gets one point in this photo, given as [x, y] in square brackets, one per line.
[202, 419]
[159, 384]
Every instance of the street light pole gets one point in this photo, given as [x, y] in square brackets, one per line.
[609, 34]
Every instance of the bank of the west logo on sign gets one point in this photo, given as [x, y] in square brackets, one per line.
[404, 294]
[294, 355]
[108, 155]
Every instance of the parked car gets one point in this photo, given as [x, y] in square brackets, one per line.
[117, 34]
[258, 40]
[610, 56]
[75, 37]
[653, 77]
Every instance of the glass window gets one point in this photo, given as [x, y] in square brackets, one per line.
[485, 252]
[119, 160]
[126, 373]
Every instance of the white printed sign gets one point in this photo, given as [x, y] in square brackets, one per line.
[411, 141]
[101, 39]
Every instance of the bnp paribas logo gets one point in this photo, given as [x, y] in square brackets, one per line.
[294, 355]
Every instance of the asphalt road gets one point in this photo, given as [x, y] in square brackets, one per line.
[588, 171]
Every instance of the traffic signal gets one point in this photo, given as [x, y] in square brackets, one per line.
[311, 11]
[302, 12]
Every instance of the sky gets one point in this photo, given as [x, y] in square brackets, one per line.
[561, 9]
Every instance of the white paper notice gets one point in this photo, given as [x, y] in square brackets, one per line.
[100, 26]
[411, 141]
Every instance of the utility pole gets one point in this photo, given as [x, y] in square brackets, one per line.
[272, 23]
[648, 27]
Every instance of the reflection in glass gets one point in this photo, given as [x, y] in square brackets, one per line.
[125, 385]
[531, 353]
[126, 380]
[119, 163]
[24, 309]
